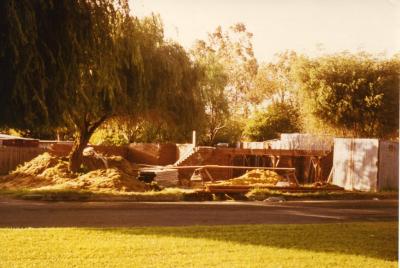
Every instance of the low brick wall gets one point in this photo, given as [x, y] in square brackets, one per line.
[208, 157]
[64, 149]
[153, 153]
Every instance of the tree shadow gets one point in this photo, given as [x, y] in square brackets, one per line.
[376, 240]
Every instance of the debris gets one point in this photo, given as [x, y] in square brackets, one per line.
[275, 199]
[283, 184]
[50, 172]
[89, 151]
[164, 177]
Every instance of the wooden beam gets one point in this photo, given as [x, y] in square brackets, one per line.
[229, 167]
[271, 152]
[208, 174]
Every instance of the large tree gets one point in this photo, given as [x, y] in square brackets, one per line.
[234, 50]
[63, 65]
[80, 62]
[213, 83]
[355, 94]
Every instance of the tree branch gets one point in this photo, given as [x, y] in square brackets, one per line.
[93, 126]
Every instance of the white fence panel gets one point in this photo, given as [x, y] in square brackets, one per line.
[388, 174]
[355, 164]
[365, 168]
[341, 163]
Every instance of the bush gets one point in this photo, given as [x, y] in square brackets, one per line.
[277, 118]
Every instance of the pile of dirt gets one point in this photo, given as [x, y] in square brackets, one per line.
[255, 177]
[50, 172]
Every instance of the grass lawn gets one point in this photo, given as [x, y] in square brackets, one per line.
[177, 194]
[323, 245]
[262, 194]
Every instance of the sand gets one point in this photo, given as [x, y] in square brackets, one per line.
[255, 177]
[50, 172]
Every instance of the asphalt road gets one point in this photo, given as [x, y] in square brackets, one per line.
[18, 213]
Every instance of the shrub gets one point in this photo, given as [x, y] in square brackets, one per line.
[277, 118]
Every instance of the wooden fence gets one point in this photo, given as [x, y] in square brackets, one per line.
[11, 157]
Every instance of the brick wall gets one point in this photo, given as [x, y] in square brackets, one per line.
[152, 153]
[63, 149]
[207, 156]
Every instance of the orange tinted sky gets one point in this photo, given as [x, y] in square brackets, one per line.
[371, 25]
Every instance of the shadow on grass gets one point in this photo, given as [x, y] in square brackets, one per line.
[376, 240]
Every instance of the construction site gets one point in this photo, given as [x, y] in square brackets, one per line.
[293, 163]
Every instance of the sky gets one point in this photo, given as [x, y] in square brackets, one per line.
[307, 26]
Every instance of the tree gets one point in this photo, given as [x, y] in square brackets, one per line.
[231, 132]
[23, 84]
[277, 118]
[353, 93]
[213, 82]
[234, 50]
[274, 80]
[69, 75]
[97, 63]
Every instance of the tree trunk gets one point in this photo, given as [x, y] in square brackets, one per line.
[76, 156]
[85, 132]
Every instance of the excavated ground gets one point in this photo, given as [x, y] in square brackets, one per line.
[50, 172]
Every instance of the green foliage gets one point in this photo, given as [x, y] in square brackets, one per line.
[108, 136]
[213, 82]
[232, 131]
[277, 118]
[274, 80]
[78, 63]
[353, 93]
[233, 49]
[127, 129]
[229, 68]
[23, 83]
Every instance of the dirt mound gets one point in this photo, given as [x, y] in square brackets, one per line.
[255, 177]
[48, 171]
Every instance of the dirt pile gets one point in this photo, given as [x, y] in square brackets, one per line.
[50, 172]
[255, 177]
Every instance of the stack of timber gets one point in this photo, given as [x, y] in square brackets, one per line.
[166, 177]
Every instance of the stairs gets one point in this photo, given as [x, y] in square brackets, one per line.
[195, 156]
[188, 153]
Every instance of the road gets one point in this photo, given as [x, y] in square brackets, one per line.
[19, 213]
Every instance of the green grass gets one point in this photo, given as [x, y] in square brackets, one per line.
[177, 194]
[325, 245]
[262, 194]
[168, 194]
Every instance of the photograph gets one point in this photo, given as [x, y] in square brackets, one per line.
[199, 134]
